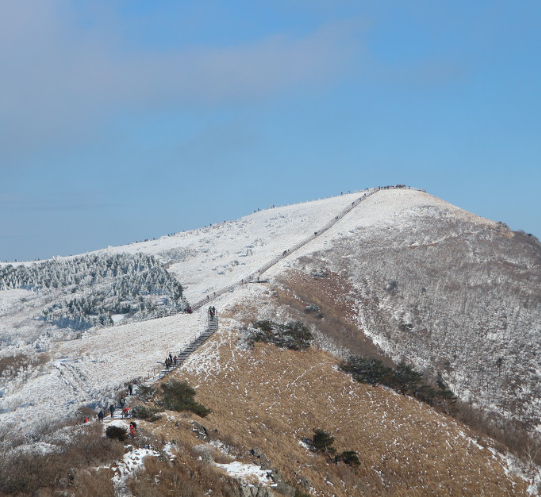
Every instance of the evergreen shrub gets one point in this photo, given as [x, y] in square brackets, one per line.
[293, 335]
[146, 413]
[179, 396]
[348, 457]
[116, 432]
[322, 441]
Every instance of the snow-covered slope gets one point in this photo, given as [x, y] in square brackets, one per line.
[211, 258]
[64, 371]
[423, 274]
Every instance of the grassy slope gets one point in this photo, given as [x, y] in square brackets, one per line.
[271, 398]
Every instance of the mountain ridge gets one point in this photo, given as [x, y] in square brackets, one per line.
[211, 259]
[399, 275]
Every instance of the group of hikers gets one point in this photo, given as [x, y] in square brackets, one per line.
[170, 361]
[125, 409]
[112, 408]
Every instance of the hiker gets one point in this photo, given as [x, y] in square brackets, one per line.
[132, 429]
[100, 416]
[112, 410]
[130, 389]
[86, 420]
[170, 358]
[175, 360]
[122, 402]
[126, 412]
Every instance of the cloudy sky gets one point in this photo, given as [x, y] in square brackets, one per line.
[122, 120]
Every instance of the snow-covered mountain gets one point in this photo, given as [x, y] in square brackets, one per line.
[443, 289]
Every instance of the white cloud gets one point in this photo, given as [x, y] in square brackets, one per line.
[59, 77]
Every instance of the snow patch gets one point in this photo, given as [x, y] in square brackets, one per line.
[249, 473]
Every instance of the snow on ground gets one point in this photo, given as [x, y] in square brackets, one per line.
[126, 468]
[170, 448]
[250, 473]
[90, 369]
[208, 259]
[12, 298]
[396, 209]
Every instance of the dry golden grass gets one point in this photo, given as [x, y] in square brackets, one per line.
[11, 365]
[183, 476]
[73, 467]
[272, 398]
[93, 482]
[334, 295]
[187, 473]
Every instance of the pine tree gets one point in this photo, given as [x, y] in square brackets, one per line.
[322, 442]
[348, 457]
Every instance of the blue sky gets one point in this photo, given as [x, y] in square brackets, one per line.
[122, 120]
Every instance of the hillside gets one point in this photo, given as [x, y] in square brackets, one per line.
[395, 274]
[445, 290]
[272, 399]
